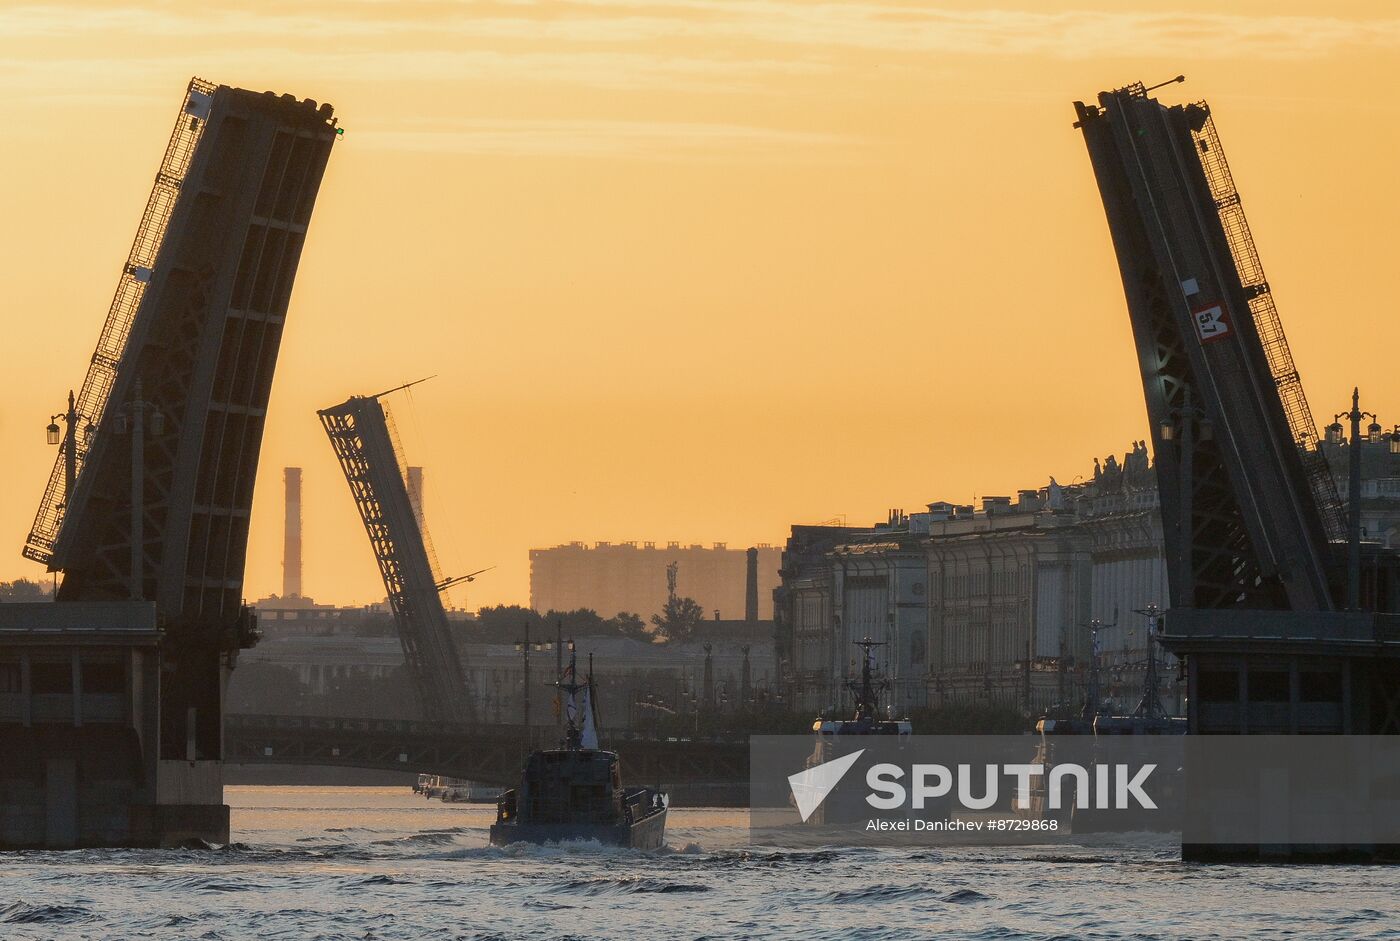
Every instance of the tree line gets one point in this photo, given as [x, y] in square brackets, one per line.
[24, 589]
[505, 624]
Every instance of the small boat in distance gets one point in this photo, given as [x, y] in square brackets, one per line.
[575, 791]
[835, 738]
[1061, 732]
[867, 720]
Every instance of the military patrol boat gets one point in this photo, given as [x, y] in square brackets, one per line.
[1092, 734]
[867, 720]
[837, 737]
[575, 792]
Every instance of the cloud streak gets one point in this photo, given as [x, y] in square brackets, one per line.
[583, 138]
[1067, 34]
[609, 70]
[884, 26]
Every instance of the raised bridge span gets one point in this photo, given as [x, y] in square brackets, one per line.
[696, 771]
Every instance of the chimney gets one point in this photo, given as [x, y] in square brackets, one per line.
[415, 494]
[751, 586]
[992, 505]
[291, 545]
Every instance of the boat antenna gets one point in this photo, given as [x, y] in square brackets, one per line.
[573, 735]
[1150, 706]
[593, 699]
[867, 693]
[1091, 696]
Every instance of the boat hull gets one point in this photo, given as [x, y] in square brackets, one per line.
[648, 833]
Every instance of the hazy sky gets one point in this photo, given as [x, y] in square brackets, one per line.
[694, 270]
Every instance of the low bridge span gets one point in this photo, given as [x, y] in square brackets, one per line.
[490, 754]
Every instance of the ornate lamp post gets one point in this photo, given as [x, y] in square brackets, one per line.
[68, 438]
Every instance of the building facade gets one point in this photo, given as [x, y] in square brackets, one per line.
[1380, 479]
[614, 577]
[999, 605]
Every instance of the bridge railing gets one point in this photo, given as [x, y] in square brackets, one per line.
[1269, 326]
[131, 290]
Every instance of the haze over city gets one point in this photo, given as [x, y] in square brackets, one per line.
[693, 271]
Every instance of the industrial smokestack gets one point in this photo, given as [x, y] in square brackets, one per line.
[415, 494]
[751, 587]
[291, 545]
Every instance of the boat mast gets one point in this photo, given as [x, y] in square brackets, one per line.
[1150, 706]
[1092, 703]
[573, 733]
[867, 693]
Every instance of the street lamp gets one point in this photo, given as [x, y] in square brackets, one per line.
[523, 647]
[69, 439]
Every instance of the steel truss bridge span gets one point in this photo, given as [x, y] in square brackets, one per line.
[1249, 507]
[153, 500]
[366, 446]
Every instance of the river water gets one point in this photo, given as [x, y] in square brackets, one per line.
[383, 863]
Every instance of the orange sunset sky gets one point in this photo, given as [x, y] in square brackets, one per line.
[693, 270]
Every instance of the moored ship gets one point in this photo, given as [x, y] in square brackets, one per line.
[838, 737]
[575, 791]
[1099, 726]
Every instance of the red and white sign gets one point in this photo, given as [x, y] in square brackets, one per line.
[1212, 323]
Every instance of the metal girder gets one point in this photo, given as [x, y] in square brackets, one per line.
[359, 432]
[191, 344]
[1241, 499]
[203, 346]
[131, 290]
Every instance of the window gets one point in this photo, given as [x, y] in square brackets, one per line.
[1268, 686]
[1218, 686]
[1320, 686]
[51, 677]
[103, 677]
[917, 650]
[9, 677]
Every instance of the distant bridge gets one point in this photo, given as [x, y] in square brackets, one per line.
[490, 754]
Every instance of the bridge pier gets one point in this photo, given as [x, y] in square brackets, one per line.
[80, 734]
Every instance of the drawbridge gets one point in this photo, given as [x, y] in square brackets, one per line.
[119, 741]
[1250, 506]
[176, 392]
[131, 290]
[1279, 627]
[362, 434]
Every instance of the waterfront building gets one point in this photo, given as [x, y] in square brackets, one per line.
[1380, 479]
[998, 605]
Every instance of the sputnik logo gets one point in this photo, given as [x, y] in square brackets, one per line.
[810, 787]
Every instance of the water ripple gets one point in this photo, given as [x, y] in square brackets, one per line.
[376, 864]
[21, 913]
